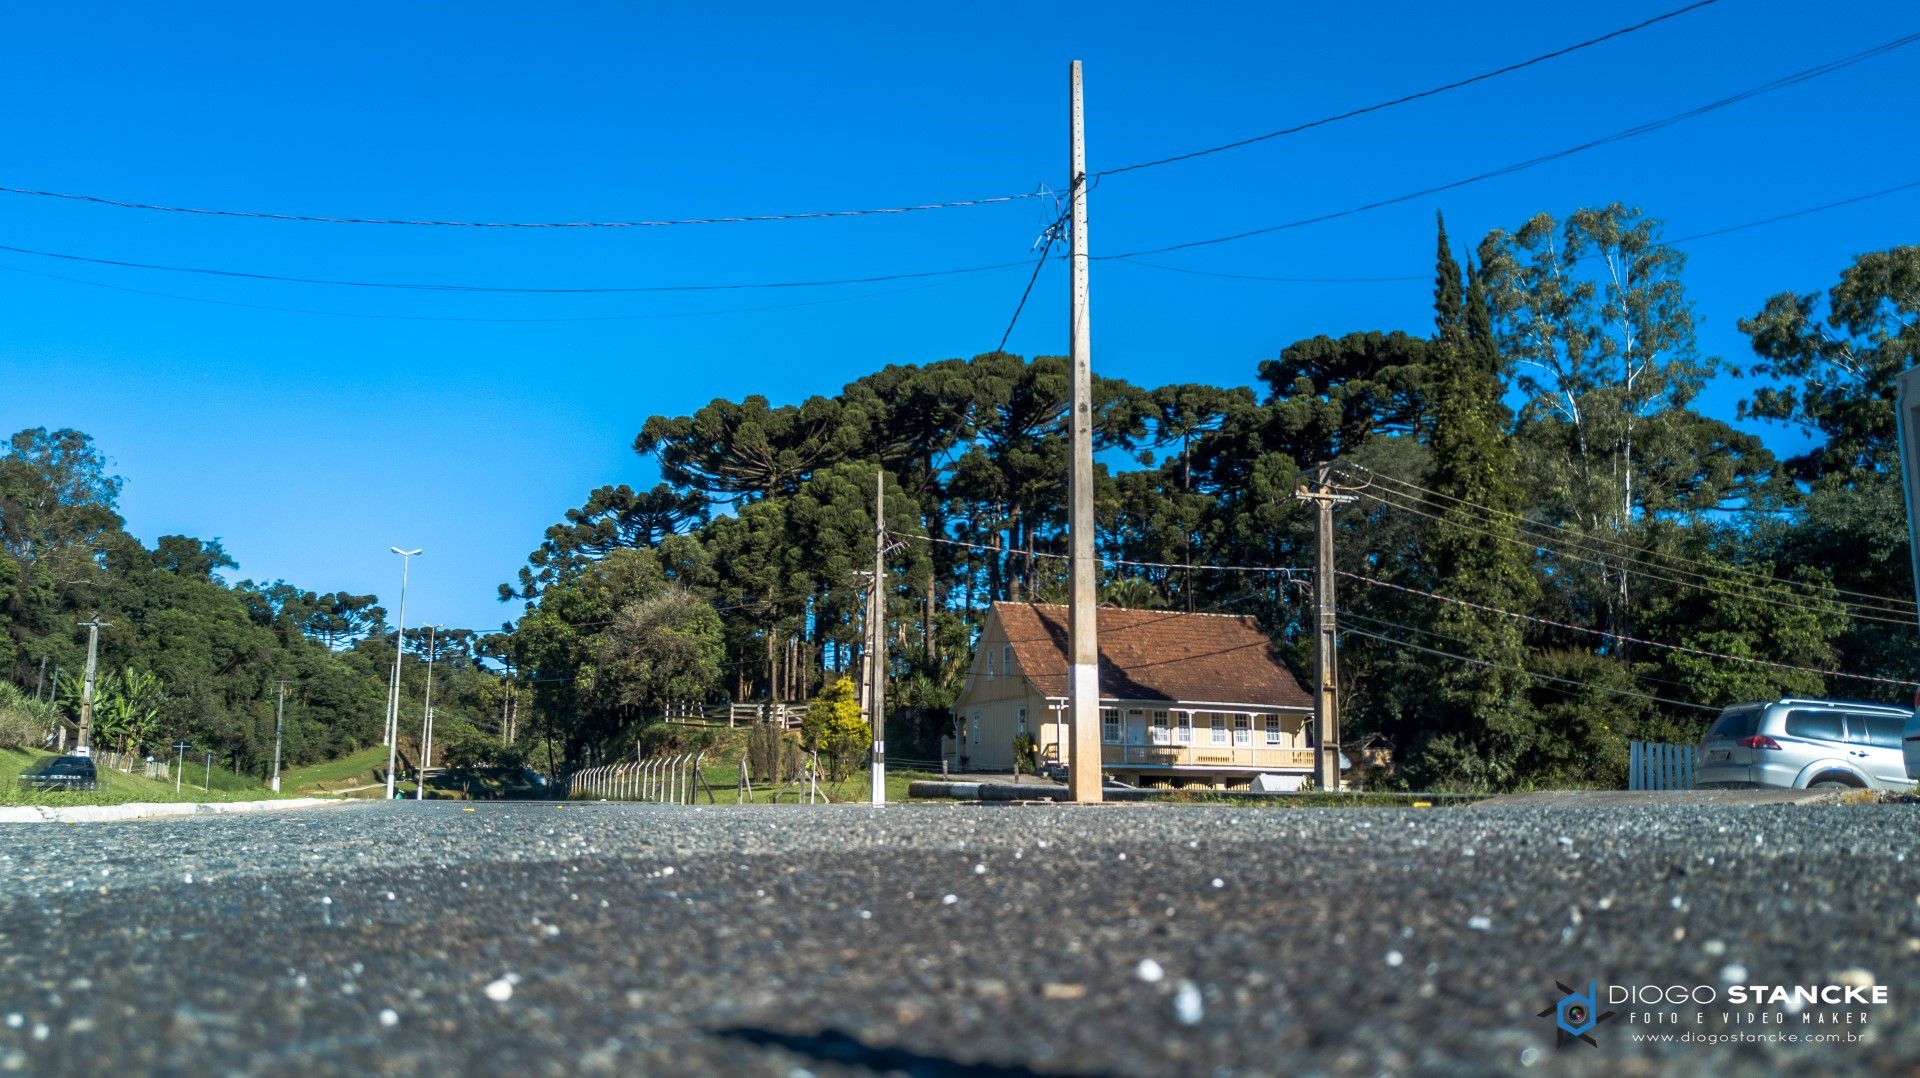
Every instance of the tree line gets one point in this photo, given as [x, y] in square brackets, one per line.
[183, 654]
[1551, 548]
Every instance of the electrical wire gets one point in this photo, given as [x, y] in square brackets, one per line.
[1583, 685]
[1052, 233]
[1676, 241]
[508, 289]
[1783, 82]
[1288, 570]
[1590, 543]
[1441, 89]
[462, 318]
[127, 204]
[1621, 636]
[1702, 584]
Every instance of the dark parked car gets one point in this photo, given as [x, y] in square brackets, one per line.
[63, 773]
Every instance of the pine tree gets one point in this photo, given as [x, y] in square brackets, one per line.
[1482, 720]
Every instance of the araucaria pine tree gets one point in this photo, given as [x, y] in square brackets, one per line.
[1481, 721]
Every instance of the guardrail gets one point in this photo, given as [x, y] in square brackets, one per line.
[669, 780]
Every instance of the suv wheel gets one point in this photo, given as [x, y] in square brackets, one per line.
[1826, 782]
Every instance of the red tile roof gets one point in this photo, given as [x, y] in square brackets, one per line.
[1157, 655]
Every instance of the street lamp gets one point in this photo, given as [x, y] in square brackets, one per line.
[399, 651]
[426, 722]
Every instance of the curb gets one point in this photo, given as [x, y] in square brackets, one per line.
[147, 810]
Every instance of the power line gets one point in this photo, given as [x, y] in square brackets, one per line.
[1618, 136]
[126, 204]
[1584, 685]
[1586, 542]
[1621, 636]
[1708, 586]
[507, 289]
[461, 318]
[1283, 569]
[1709, 234]
[1441, 89]
[1052, 234]
[1346, 614]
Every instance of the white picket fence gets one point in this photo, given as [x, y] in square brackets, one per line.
[666, 779]
[786, 716]
[1652, 765]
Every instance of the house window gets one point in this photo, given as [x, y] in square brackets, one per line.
[1160, 732]
[1023, 720]
[1243, 729]
[1006, 660]
[989, 662]
[1110, 725]
[1273, 729]
[1219, 729]
[1306, 728]
[1183, 728]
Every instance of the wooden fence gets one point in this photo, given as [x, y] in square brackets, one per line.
[787, 716]
[1652, 765]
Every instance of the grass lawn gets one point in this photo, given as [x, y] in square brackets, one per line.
[725, 780]
[117, 788]
[353, 769]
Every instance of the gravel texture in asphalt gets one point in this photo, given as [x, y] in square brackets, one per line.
[952, 939]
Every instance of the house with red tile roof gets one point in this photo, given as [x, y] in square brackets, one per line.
[1185, 699]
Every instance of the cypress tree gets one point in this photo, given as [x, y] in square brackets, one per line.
[1483, 722]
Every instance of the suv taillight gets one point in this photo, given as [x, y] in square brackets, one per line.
[1758, 741]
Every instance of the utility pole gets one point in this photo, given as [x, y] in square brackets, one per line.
[1083, 694]
[93, 626]
[1326, 714]
[279, 723]
[426, 722]
[399, 652]
[206, 781]
[41, 684]
[877, 638]
[180, 764]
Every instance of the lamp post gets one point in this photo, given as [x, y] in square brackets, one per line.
[399, 651]
[426, 721]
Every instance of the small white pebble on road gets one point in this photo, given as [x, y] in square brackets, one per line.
[667, 871]
[1394, 958]
[979, 870]
[949, 900]
[1854, 977]
[866, 915]
[500, 991]
[389, 1018]
[1480, 924]
[15, 1020]
[1218, 882]
[1188, 1007]
[1149, 971]
[1733, 973]
[1565, 840]
[188, 878]
[1714, 948]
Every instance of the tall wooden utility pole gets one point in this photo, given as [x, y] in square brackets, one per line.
[877, 639]
[81, 745]
[1326, 712]
[1083, 632]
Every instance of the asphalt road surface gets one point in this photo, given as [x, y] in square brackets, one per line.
[948, 939]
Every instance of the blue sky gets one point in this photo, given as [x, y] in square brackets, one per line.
[311, 442]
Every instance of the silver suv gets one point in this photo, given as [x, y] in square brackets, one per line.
[1805, 744]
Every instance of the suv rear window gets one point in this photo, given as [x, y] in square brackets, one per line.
[1880, 731]
[1814, 725]
[1736, 722]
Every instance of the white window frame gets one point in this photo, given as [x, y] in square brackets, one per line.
[1183, 728]
[1275, 735]
[989, 664]
[1158, 730]
[1023, 720]
[1006, 660]
[1110, 730]
[1242, 730]
[1218, 724]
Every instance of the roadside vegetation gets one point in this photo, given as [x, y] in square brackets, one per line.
[117, 787]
